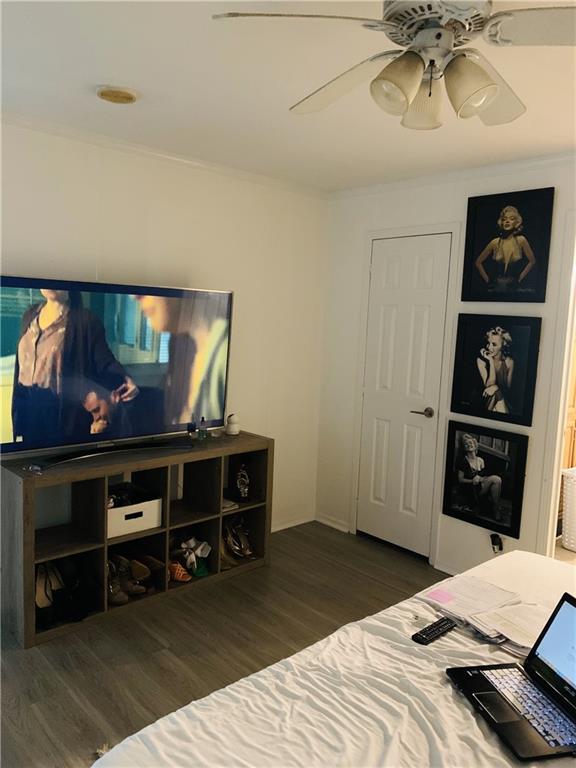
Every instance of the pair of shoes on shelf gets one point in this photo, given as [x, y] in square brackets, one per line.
[48, 582]
[63, 593]
[129, 573]
[193, 555]
[237, 541]
[124, 577]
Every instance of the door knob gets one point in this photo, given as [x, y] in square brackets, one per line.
[428, 412]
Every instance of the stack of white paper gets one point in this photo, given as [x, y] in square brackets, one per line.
[463, 596]
[496, 614]
[520, 624]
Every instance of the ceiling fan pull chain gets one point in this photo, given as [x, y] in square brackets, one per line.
[432, 64]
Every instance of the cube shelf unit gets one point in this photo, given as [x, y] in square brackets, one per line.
[191, 478]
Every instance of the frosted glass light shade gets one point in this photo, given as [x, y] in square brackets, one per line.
[398, 83]
[423, 114]
[470, 89]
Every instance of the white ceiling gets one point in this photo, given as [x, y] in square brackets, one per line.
[219, 91]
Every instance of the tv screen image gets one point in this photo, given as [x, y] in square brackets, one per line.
[88, 362]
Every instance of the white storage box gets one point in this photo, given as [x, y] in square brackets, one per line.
[569, 509]
[135, 517]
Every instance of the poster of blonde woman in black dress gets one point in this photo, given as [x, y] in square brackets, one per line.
[507, 246]
[484, 479]
[495, 367]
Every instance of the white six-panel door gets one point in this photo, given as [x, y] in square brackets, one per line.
[405, 334]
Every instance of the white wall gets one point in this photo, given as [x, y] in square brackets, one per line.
[76, 210]
[415, 205]
[79, 211]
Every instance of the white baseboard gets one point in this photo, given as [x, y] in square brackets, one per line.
[444, 569]
[333, 523]
[290, 524]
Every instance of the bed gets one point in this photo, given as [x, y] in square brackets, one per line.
[364, 696]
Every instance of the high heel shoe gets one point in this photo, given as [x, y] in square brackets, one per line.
[44, 599]
[232, 543]
[241, 535]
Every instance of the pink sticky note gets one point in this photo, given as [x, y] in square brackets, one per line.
[440, 595]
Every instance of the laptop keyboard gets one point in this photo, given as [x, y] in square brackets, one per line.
[535, 706]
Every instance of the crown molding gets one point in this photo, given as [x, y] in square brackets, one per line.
[564, 160]
[118, 145]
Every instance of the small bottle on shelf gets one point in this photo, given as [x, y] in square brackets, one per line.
[202, 429]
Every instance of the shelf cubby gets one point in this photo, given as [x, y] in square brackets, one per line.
[79, 515]
[254, 522]
[181, 515]
[201, 485]
[208, 530]
[255, 464]
[88, 570]
[138, 549]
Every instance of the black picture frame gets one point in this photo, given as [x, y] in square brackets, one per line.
[497, 387]
[503, 456]
[504, 251]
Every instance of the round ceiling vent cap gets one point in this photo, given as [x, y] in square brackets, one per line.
[117, 95]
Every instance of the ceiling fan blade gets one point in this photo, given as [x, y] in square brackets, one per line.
[343, 83]
[367, 23]
[506, 107]
[532, 26]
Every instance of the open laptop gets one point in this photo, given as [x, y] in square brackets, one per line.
[531, 707]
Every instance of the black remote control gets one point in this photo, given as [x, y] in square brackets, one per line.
[434, 631]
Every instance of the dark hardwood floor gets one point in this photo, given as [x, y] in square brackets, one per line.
[113, 676]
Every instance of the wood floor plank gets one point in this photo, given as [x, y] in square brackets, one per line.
[112, 677]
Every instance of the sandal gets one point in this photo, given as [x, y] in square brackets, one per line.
[188, 554]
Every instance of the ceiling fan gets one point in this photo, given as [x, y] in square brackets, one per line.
[407, 83]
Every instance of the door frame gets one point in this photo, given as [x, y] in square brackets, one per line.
[454, 229]
[563, 342]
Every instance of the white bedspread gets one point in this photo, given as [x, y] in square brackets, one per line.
[364, 696]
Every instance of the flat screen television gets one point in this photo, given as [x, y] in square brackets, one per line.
[86, 363]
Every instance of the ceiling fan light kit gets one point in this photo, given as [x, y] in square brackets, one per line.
[469, 88]
[425, 112]
[397, 85]
[433, 31]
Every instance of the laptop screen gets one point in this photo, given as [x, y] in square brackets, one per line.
[553, 657]
[557, 648]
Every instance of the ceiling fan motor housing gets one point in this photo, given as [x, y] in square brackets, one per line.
[465, 19]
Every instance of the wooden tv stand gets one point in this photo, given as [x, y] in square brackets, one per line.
[190, 479]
